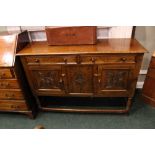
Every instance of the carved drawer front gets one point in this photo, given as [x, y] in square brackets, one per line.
[6, 73]
[13, 105]
[101, 59]
[114, 80]
[9, 83]
[11, 94]
[35, 60]
[80, 79]
[48, 80]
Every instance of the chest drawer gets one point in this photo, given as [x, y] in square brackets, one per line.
[11, 94]
[100, 59]
[151, 73]
[152, 63]
[6, 73]
[9, 84]
[7, 105]
[35, 60]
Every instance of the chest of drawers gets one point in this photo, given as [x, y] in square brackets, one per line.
[108, 70]
[15, 93]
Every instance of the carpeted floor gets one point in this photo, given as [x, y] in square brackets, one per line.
[142, 116]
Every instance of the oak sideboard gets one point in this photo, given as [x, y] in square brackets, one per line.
[97, 78]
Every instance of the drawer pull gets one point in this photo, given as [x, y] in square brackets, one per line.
[78, 59]
[93, 60]
[61, 81]
[63, 75]
[4, 84]
[97, 75]
[37, 60]
[123, 59]
[7, 84]
[65, 60]
[15, 106]
[2, 75]
[9, 96]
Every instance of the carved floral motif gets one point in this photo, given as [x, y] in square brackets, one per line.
[48, 79]
[116, 79]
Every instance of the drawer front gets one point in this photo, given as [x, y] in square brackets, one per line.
[9, 84]
[151, 73]
[100, 59]
[11, 94]
[152, 63]
[13, 105]
[6, 74]
[78, 59]
[35, 60]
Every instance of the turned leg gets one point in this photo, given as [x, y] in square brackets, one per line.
[128, 106]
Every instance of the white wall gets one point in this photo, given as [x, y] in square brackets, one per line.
[3, 28]
[37, 33]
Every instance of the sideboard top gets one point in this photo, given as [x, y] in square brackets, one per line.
[103, 46]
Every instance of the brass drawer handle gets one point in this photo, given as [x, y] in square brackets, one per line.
[4, 84]
[63, 75]
[65, 60]
[97, 75]
[9, 96]
[123, 59]
[15, 106]
[78, 59]
[2, 75]
[37, 60]
[93, 60]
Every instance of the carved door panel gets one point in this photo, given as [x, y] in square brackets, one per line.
[48, 80]
[80, 79]
[114, 80]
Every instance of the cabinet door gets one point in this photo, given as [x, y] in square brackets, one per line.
[80, 79]
[114, 80]
[47, 80]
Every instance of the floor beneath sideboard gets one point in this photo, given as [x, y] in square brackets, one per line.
[142, 116]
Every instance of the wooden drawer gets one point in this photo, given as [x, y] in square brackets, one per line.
[35, 60]
[151, 73]
[6, 74]
[13, 105]
[77, 59]
[9, 83]
[152, 63]
[100, 59]
[11, 94]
